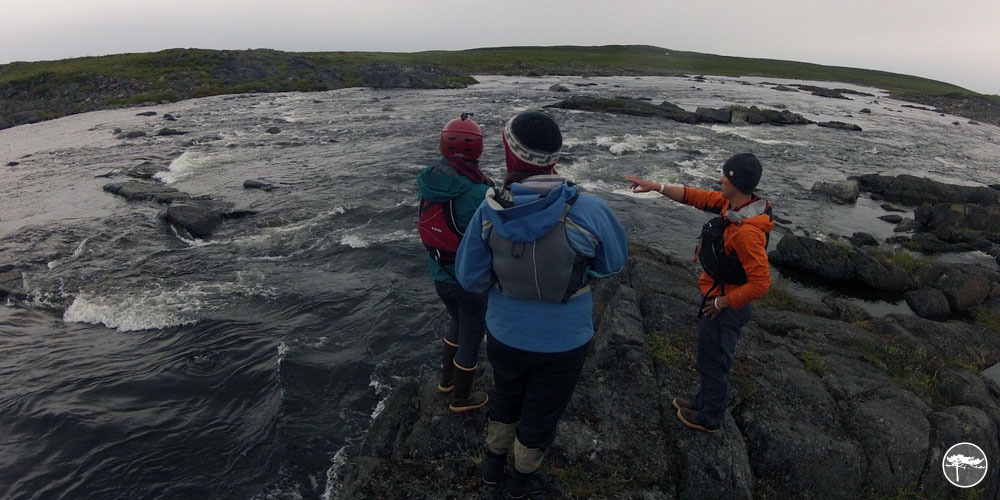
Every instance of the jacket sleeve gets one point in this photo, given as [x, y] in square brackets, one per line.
[474, 260]
[702, 199]
[750, 246]
[603, 238]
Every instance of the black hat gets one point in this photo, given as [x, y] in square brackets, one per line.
[533, 142]
[743, 170]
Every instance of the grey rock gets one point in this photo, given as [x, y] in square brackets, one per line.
[840, 125]
[865, 111]
[790, 421]
[723, 115]
[860, 239]
[145, 191]
[252, 184]
[170, 131]
[13, 163]
[626, 106]
[918, 190]
[146, 113]
[558, 88]
[841, 192]
[838, 262]
[892, 218]
[845, 310]
[196, 220]
[929, 303]
[959, 424]
[273, 130]
[895, 434]
[169, 117]
[890, 208]
[993, 373]
[907, 226]
[964, 388]
[133, 134]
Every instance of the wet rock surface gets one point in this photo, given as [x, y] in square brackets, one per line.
[821, 408]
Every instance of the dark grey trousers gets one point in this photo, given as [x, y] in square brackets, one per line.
[716, 351]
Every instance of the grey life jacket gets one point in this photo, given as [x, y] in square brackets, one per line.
[547, 269]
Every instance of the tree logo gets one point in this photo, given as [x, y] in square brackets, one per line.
[964, 465]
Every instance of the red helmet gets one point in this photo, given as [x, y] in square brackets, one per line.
[462, 138]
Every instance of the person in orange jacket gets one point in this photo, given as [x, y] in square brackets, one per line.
[732, 250]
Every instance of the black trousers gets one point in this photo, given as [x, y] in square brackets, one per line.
[468, 320]
[533, 388]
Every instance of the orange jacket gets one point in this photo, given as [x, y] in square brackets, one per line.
[746, 235]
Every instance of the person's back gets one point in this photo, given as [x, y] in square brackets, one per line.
[534, 245]
[450, 192]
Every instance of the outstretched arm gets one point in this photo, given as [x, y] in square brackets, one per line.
[639, 185]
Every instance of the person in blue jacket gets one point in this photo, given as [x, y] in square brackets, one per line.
[535, 245]
[450, 192]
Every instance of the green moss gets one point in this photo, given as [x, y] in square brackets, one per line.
[902, 259]
[778, 297]
[987, 318]
[663, 347]
[812, 361]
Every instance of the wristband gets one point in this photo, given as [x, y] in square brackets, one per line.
[662, 187]
[716, 304]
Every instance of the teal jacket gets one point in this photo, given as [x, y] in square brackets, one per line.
[442, 182]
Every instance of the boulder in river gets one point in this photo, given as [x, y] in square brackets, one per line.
[839, 262]
[841, 192]
[914, 190]
[840, 125]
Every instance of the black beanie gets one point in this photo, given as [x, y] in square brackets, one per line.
[743, 170]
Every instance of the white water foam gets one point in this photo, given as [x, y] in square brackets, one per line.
[333, 479]
[380, 389]
[160, 306]
[76, 253]
[750, 133]
[636, 143]
[183, 167]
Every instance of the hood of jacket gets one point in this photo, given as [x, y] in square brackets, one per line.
[442, 182]
[752, 214]
[538, 203]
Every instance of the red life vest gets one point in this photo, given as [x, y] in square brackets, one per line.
[438, 230]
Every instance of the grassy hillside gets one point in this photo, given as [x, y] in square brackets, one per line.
[40, 90]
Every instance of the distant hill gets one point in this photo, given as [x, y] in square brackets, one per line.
[31, 92]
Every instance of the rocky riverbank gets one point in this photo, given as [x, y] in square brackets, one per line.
[844, 406]
[31, 92]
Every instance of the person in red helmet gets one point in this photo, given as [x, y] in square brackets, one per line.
[450, 192]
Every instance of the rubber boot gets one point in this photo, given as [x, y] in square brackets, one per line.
[523, 481]
[499, 440]
[523, 485]
[493, 465]
[447, 367]
[463, 398]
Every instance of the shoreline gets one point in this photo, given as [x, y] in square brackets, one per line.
[36, 91]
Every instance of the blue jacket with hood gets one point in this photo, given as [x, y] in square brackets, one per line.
[442, 182]
[592, 230]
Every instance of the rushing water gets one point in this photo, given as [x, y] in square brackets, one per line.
[249, 365]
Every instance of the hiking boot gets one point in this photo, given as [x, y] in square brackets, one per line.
[522, 485]
[692, 420]
[447, 368]
[493, 465]
[682, 403]
[462, 397]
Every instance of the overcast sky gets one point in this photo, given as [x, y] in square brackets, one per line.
[956, 41]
